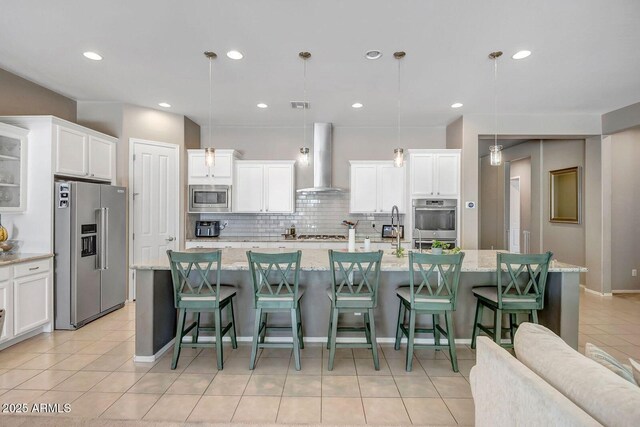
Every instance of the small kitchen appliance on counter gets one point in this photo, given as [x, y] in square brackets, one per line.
[208, 228]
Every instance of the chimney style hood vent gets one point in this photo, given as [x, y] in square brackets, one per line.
[322, 168]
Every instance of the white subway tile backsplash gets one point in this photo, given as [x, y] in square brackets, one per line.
[316, 213]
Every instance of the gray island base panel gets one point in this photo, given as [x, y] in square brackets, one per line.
[156, 314]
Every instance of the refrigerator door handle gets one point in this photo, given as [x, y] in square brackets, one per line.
[100, 220]
[105, 239]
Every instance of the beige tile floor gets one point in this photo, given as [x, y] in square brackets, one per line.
[92, 369]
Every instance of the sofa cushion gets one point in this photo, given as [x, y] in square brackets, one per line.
[608, 398]
[635, 366]
[507, 393]
[608, 361]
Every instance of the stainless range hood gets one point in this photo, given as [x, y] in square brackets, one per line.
[322, 167]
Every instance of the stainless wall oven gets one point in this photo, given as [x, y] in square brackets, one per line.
[435, 219]
[209, 198]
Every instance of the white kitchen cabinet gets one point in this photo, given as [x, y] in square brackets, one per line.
[101, 157]
[434, 173]
[264, 187]
[279, 188]
[220, 173]
[32, 301]
[6, 303]
[376, 187]
[80, 152]
[71, 152]
[248, 188]
[195, 244]
[13, 168]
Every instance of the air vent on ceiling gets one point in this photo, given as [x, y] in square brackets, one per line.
[300, 105]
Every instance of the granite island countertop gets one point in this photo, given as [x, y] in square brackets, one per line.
[318, 260]
[21, 257]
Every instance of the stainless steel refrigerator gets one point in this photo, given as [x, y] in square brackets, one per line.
[90, 252]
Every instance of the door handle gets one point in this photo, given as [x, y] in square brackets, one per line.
[170, 239]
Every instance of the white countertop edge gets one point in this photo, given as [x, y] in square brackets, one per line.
[19, 258]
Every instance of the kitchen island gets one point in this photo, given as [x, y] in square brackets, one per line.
[156, 315]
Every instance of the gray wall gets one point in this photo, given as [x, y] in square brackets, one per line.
[349, 143]
[625, 205]
[492, 205]
[522, 169]
[19, 96]
[621, 119]
[593, 205]
[567, 241]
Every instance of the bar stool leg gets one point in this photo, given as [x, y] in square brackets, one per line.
[332, 342]
[448, 318]
[299, 327]
[218, 320]
[234, 338]
[296, 340]
[410, 339]
[256, 336]
[476, 322]
[498, 326]
[374, 341]
[179, 334]
[401, 314]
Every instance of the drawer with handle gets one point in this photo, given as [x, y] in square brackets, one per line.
[28, 268]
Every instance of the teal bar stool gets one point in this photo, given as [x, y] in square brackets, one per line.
[354, 288]
[522, 292]
[194, 292]
[434, 293]
[276, 289]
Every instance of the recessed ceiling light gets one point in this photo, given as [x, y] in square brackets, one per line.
[373, 54]
[93, 56]
[262, 105]
[456, 105]
[165, 105]
[521, 54]
[234, 54]
[357, 105]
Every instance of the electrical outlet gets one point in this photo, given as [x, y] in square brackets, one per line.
[634, 272]
[357, 313]
[371, 218]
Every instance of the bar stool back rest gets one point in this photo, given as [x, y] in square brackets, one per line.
[437, 276]
[526, 277]
[190, 272]
[275, 275]
[355, 274]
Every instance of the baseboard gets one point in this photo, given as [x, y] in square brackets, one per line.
[156, 356]
[626, 291]
[323, 340]
[25, 336]
[591, 291]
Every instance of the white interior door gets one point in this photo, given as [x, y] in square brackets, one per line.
[514, 215]
[156, 200]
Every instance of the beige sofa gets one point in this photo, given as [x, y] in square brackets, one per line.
[548, 384]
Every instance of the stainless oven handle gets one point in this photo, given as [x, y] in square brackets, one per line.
[435, 209]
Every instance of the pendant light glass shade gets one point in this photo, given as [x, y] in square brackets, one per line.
[303, 159]
[210, 156]
[398, 157]
[495, 155]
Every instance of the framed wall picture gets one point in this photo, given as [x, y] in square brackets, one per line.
[565, 195]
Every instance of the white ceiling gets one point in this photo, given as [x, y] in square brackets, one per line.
[585, 56]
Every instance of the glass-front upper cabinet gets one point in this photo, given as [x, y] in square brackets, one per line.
[13, 168]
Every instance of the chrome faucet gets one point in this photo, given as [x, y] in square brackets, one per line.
[419, 238]
[396, 211]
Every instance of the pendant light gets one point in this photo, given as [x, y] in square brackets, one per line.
[304, 151]
[210, 152]
[398, 153]
[495, 150]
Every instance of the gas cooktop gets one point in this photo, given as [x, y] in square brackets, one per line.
[321, 237]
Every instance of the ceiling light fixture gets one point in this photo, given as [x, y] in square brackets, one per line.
[495, 149]
[357, 105]
[521, 54]
[262, 105]
[93, 56]
[164, 105]
[398, 153]
[210, 152]
[456, 105]
[373, 54]
[304, 151]
[234, 54]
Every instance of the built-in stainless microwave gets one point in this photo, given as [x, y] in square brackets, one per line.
[435, 219]
[209, 198]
